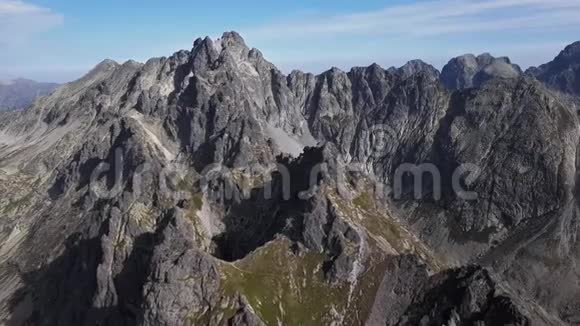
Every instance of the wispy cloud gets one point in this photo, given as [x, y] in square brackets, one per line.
[19, 21]
[435, 17]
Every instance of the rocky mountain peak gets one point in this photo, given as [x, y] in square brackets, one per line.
[467, 59]
[103, 68]
[107, 64]
[229, 50]
[334, 71]
[571, 51]
[418, 66]
[233, 39]
[230, 42]
[375, 67]
[468, 71]
[485, 58]
[562, 73]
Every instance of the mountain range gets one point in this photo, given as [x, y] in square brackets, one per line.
[20, 93]
[209, 188]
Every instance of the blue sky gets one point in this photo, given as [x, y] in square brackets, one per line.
[59, 40]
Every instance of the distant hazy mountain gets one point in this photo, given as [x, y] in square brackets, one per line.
[20, 93]
[563, 73]
[470, 71]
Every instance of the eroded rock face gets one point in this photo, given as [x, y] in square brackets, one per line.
[170, 191]
[468, 71]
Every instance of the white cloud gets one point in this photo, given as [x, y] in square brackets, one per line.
[435, 17]
[19, 21]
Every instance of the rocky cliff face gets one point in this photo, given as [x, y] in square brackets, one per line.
[20, 93]
[470, 71]
[210, 188]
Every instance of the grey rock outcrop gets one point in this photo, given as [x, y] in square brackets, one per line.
[470, 71]
[181, 282]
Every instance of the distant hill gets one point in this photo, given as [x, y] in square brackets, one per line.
[20, 93]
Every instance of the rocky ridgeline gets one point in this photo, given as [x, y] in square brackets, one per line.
[210, 188]
[563, 73]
